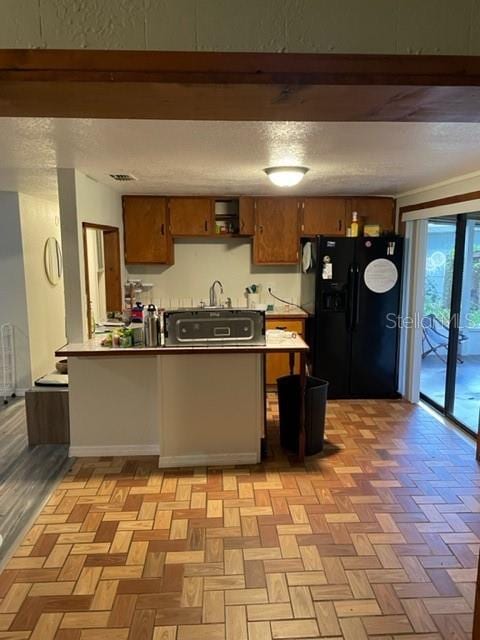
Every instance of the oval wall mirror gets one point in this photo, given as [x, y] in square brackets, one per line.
[53, 260]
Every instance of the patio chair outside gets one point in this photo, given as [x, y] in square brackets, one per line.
[435, 338]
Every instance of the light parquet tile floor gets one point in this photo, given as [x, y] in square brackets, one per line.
[378, 538]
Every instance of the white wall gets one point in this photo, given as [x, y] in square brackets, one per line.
[82, 200]
[198, 263]
[27, 300]
[13, 295]
[75, 314]
[326, 26]
[45, 302]
[455, 186]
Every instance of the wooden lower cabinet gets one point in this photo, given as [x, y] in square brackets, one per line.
[48, 418]
[277, 364]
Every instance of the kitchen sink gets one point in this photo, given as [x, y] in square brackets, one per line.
[215, 325]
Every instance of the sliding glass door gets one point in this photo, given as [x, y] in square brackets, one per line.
[441, 236]
[450, 372]
[466, 377]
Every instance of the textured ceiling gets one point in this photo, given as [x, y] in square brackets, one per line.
[228, 157]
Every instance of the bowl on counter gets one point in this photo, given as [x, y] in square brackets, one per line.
[62, 366]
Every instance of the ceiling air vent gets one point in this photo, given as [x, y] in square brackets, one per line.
[122, 177]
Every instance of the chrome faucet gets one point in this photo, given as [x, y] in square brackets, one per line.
[213, 293]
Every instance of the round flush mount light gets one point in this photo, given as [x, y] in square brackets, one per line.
[286, 176]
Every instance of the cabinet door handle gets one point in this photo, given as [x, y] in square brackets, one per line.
[339, 225]
[242, 225]
[206, 225]
[162, 229]
[260, 229]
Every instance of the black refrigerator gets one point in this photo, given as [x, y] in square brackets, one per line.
[351, 288]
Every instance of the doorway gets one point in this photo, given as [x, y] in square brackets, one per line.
[103, 286]
[450, 371]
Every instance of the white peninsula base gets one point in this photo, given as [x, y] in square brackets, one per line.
[190, 409]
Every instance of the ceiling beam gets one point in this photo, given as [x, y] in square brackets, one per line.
[239, 86]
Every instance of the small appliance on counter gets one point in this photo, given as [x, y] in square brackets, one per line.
[131, 310]
[137, 312]
[221, 326]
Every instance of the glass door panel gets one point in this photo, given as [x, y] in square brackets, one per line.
[466, 392]
[441, 236]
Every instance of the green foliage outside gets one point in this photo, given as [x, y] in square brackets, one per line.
[439, 303]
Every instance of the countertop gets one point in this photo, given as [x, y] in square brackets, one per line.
[286, 311]
[290, 313]
[94, 348]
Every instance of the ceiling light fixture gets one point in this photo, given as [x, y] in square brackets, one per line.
[286, 176]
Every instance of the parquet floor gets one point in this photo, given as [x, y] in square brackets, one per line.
[376, 539]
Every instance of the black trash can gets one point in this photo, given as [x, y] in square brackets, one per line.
[289, 410]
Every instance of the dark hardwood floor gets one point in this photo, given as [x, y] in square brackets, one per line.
[27, 474]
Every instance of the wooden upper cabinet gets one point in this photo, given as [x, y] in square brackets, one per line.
[191, 216]
[323, 216]
[146, 234]
[246, 216]
[276, 239]
[373, 211]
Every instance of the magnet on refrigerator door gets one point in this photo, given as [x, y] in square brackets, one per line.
[327, 269]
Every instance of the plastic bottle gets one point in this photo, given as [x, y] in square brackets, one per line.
[354, 225]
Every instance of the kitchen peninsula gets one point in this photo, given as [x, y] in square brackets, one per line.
[191, 405]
